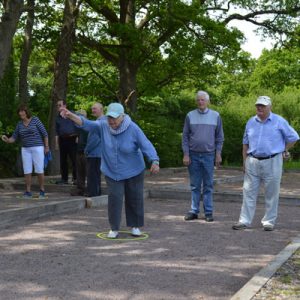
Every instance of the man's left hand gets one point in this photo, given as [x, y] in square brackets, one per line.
[218, 160]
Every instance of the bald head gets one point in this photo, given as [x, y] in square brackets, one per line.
[97, 110]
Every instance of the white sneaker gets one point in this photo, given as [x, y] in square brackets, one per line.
[135, 231]
[112, 234]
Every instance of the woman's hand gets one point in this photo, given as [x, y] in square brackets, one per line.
[46, 149]
[64, 113]
[5, 138]
[154, 168]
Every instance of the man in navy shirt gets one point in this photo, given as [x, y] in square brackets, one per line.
[266, 141]
[66, 143]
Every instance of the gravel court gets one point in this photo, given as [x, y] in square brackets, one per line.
[61, 257]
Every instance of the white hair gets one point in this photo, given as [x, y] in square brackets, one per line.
[202, 93]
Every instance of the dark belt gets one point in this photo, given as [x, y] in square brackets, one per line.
[68, 136]
[265, 157]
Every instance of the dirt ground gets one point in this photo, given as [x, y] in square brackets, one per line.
[62, 258]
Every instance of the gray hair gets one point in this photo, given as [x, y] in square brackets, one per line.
[202, 93]
[97, 104]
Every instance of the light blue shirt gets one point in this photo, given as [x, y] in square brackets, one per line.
[93, 145]
[268, 137]
[121, 154]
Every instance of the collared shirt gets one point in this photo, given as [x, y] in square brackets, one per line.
[64, 127]
[202, 132]
[268, 137]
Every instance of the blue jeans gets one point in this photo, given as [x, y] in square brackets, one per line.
[201, 170]
[133, 190]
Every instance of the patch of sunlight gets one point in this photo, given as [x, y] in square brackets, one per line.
[143, 252]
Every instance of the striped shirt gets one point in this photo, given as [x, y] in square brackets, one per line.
[31, 135]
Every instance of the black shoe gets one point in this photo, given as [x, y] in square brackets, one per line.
[190, 216]
[268, 227]
[239, 226]
[209, 218]
[76, 193]
[61, 182]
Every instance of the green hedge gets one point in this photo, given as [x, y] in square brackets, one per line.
[162, 120]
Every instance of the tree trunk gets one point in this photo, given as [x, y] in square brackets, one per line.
[23, 73]
[127, 84]
[61, 69]
[8, 26]
[127, 67]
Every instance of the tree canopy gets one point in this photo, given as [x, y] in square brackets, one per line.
[143, 53]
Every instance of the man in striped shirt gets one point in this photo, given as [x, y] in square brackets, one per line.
[202, 142]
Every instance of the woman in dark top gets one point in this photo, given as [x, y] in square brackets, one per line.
[34, 140]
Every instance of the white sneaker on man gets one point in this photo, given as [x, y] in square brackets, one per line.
[112, 234]
[135, 231]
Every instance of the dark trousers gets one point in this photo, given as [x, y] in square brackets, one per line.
[133, 189]
[93, 176]
[81, 171]
[67, 149]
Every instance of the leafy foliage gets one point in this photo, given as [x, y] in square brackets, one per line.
[8, 119]
[175, 47]
[277, 69]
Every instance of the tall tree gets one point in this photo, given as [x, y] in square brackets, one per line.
[61, 67]
[130, 34]
[12, 10]
[27, 47]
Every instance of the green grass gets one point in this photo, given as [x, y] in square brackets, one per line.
[291, 165]
[287, 165]
[286, 279]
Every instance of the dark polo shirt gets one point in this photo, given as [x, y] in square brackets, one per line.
[65, 127]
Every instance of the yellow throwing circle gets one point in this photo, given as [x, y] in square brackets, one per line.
[103, 236]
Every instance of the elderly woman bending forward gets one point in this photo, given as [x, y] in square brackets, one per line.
[123, 145]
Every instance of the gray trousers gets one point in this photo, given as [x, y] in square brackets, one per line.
[133, 190]
[269, 173]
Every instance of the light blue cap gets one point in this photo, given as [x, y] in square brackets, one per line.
[114, 110]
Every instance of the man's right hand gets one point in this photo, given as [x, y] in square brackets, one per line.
[186, 160]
